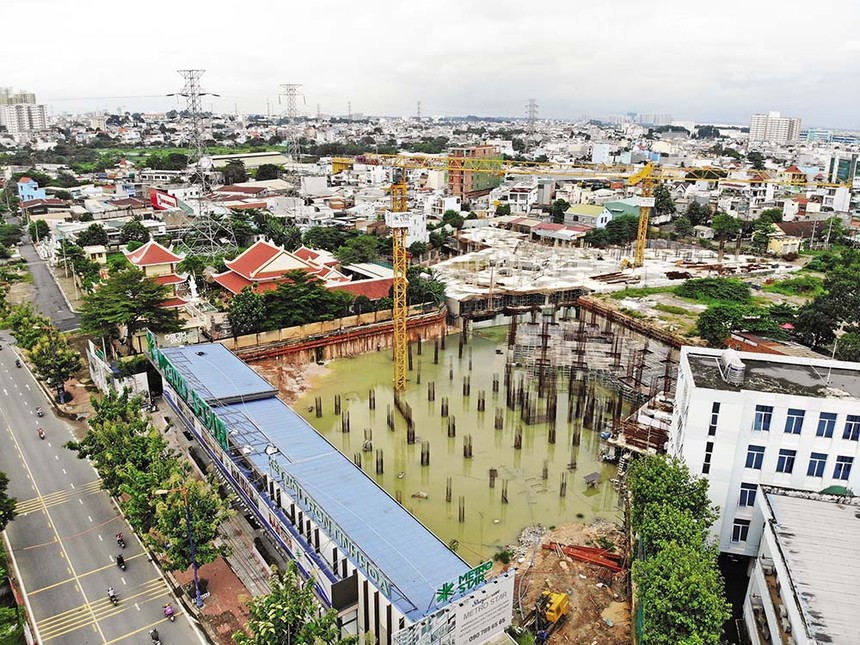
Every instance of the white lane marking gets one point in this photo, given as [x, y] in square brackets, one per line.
[89, 518]
[27, 385]
[50, 446]
[123, 581]
[80, 500]
[5, 392]
[136, 606]
[101, 539]
[64, 471]
[71, 484]
[57, 457]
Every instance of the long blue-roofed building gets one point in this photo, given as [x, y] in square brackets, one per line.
[373, 562]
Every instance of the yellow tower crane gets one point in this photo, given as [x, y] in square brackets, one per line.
[398, 223]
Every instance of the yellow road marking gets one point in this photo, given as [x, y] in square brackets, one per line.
[82, 575]
[40, 503]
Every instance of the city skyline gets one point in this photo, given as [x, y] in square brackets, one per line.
[383, 59]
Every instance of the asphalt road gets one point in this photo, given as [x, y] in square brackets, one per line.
[47, 297]
[63, 538]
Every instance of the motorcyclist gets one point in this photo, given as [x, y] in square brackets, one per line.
[41, 432]
[168, 611]
[153, 634]
[17, 362]
[111, 593]
[120, 561]
[38, 410]
[119, 539]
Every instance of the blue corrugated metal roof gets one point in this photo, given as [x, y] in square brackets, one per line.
[216, 374]
[410, 556]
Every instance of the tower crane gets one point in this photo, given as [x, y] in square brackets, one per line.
[397, 220]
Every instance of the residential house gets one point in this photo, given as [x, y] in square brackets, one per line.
[28, 189]
[703, 232]
[781, 244]
[586, 214]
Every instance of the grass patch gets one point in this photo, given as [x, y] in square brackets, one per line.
[803, 285]
[672, 309]
[639, 292]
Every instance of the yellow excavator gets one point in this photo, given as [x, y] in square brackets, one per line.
[550, 612]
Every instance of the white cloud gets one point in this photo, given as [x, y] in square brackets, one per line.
[719, 62]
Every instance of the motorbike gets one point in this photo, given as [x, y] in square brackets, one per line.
[120, 561]
[120, 540]
[41, 433]
[169, 613]
[153, 634]
[39, 412]
[112, 596]
[17, 362]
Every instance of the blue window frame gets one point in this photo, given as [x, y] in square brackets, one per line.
[826, 423]
[785, 462]
[755, 455]
[852, 427]
[842, 470]
[763, 415]
[817, 462]
[794, 421]
[747, 495]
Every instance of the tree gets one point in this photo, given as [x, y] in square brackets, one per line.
[756, 159]
[326, 237]
[503, 210]
[663, 202]
[93, 235]
[771, 214]
[267, 171]
[682, 596]
[234, 172]
[169, 534]
[762, 229]
[290, 613]
[27, 325]
[662, 481]
[86, 217]
[452, 218]
[697, 213]
[134, 231]
[718, 321]
[55, 360]
[815, 325]
[246, 312]
[417, 249]
[423, 286]
[7, 504]
[38, 230]
[358, 249]
[301, 299]
[683, 226]
[128, 299]
[558, 209]
[725, 227]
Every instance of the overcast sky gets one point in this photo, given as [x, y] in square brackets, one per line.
[715, 62]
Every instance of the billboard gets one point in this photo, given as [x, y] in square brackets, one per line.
[471, 620]
[162, 201]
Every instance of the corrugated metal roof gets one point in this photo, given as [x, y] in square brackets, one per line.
[217, 375]
[819, 543]
[410, 555]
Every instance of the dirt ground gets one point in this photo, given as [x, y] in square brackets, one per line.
[599, 606]
[291, 380]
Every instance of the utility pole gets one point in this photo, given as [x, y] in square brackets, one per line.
[532, 114]
[208, 234]
[291, 92]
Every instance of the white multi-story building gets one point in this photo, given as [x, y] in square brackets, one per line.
[23, 117]
[803, 589]
[773, 127]
[744, 419]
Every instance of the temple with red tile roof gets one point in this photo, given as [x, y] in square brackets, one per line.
[263, 265]
[159, 263]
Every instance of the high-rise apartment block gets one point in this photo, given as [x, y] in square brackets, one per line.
[23, 117]
[774, 128]
[19, 112]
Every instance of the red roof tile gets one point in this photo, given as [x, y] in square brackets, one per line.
[247, 190]
[24, 180]
[251, 260]
[170, 278]
[152, 253]
[232, 281]
[32, 203]
[305, 253]
[171, 303]
[794, 170]
[372, 289]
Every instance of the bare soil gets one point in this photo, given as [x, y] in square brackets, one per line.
[291, 380]
[599, 604]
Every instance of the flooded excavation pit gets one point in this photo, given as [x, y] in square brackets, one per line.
[486, 453]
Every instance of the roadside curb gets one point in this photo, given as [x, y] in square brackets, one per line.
[30, 617]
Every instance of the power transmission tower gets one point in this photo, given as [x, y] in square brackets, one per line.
[349, 111]
[291, 92]
[208, 232]
[418, 111]
[533, 110]
[319, 114]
